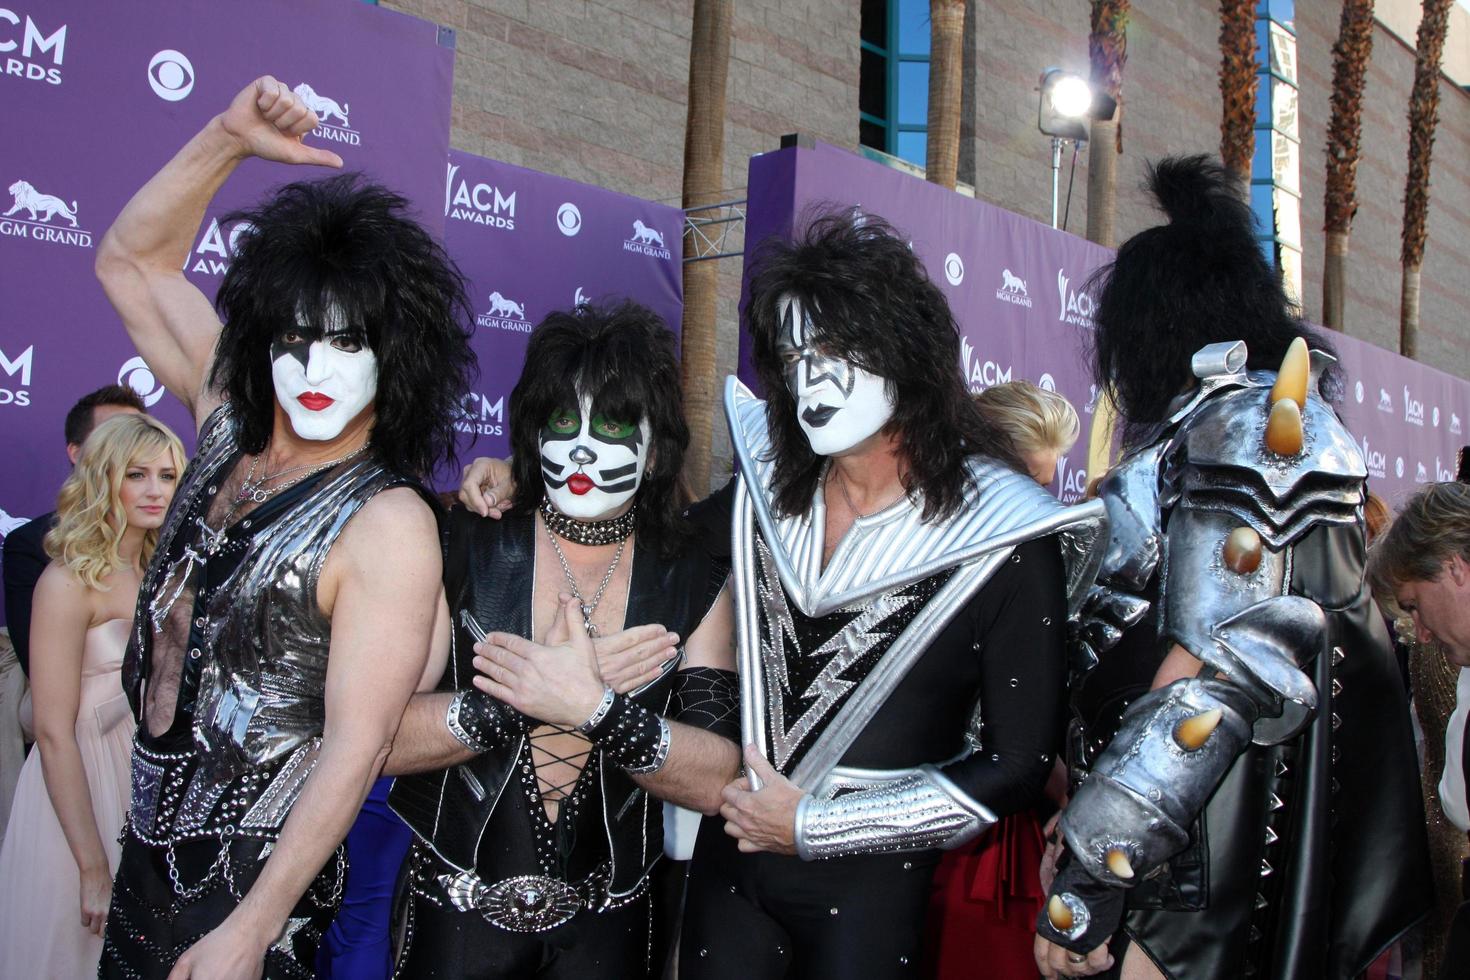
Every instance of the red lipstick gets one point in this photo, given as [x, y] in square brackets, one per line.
[580, 483]
[315, 400]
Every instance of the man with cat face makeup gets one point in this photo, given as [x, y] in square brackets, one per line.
[902, 589]
[274, 649]
[537, 830]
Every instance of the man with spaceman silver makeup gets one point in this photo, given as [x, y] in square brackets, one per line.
[898, 578]
[536, 759]
[274, 649]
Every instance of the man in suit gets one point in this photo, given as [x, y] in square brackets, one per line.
[25, 558]
[1422, 563]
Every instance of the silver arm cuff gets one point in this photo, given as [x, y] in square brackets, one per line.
[919, 809]
[1133, 811]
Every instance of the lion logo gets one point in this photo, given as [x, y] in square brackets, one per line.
[326, 109]
[644, 235]
[1012, 283]
[47, 206]
[504, 308]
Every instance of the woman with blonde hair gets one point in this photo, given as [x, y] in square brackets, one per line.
[1042, 424]
[61, 849]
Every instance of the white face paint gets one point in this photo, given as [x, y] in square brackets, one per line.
[838, 404]
[592, 465]
[323, 379]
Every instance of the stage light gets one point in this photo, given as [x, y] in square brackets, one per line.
[1065, 101]
[1070, 96]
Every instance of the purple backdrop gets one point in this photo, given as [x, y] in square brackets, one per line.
[1015, 286]
[530, 244]
[95, 97]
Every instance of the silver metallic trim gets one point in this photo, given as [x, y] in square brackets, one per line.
[1081, 916]
[660, 755]
[600, 712]
[881, 811]
[894, 547]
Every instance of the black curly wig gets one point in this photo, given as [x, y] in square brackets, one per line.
[875, 306]
[346, 244]
[622, 357]
[1200, 279]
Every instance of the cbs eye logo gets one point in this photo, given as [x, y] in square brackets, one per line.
[171, 75]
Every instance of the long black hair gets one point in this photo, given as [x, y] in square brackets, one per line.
[1200, 279]
[874, 305]
[622, 357]
[345, 244]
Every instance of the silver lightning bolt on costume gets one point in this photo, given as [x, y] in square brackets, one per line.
[907, 580]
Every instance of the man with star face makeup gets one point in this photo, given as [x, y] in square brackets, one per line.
[898, 578]
[538, 762]
[274, 648]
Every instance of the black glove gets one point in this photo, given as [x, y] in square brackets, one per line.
[1081, 913]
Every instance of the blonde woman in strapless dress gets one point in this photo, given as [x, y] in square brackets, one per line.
[60, 849]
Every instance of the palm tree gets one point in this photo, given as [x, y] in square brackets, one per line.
[1423, 117]
[704, 171]
[1107, 46]
[1349, 70]
[1238, 88]
[946, 57]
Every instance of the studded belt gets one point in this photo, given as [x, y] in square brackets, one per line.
[528, 903]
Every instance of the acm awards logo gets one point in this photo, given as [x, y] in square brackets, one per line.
[1076, 304]
[47, 217]
[37, 55]
[1442, 474]
[211, 257]
[15, 378]
[1013, 289]
[479, 416]
[478, 203]
[1376, 460]
[504, 314]
[646, 241]
[1071, 481]
[331, 116]
[979, 374]
[1413, 410]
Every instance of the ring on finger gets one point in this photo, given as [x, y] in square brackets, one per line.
[1077, 959]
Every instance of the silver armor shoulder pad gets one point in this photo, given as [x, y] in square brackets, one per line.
[889, 810]
[1221, 462]
[1134, 810]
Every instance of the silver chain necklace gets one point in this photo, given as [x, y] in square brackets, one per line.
[853, 507]
[252, 489]
[588, 608]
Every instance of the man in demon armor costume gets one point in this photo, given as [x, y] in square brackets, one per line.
[274, 647]
[901, 588]
[1251, 790]
[535, 762]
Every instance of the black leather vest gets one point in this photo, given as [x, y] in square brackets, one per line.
[475, 815]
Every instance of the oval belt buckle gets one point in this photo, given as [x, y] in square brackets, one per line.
[530, 903]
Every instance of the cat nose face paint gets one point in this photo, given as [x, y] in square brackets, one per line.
[838, 404]
[591, 464]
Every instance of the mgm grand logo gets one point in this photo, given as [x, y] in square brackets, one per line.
[646, 241]
[504, 314]
[47, 217]
[331, 116]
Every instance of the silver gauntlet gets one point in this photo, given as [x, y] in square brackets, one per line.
[1133, 811]
[903, 810]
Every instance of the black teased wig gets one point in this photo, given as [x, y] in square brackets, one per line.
[1200, 279]
[873, 304]
[344, 242]
[622, 356]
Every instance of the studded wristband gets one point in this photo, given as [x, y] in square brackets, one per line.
[480, 722]
[631, 736]
[600, 712]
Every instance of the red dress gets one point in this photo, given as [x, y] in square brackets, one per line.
[982, 912]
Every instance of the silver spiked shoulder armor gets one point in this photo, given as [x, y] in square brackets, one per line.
[1249, 464]
[892, 585]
